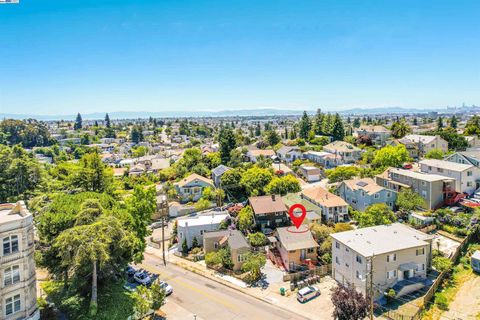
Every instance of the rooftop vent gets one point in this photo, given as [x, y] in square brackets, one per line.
[362, 183]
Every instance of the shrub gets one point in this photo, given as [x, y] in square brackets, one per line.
[212, 259]
[196, 250]
[442, 264]
[441, 301]
[257, 239]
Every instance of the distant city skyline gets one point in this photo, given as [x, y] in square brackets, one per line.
[64, 57]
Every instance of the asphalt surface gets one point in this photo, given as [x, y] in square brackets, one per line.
[211, 300]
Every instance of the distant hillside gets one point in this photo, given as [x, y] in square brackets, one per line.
[242, 113]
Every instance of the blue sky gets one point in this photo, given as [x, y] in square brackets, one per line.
[63, 57]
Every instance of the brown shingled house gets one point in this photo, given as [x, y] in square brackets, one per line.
[269, 211]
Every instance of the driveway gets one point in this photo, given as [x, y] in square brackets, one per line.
[466, 305]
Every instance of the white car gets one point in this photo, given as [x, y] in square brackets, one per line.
[142, 278]
[168, 288]
[307, 293]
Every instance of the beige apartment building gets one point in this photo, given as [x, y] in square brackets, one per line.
[18, 293]
[399, 256]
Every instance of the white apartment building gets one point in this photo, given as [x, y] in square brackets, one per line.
[18, 293]
[465, 175]
[400, 257]
[193, 226]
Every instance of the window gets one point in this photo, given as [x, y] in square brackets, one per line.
[337, 261]
[201, 232]
[389, 194]
[346, 265]
[392, 257]
[337, 245]
[376, 196]
[429, 168]
[359, 259]
[10, 245]
[11, 275]
[241, 258]
[469, 183]
[12, 305]
[469, 173]
[420, 251]
[346, 249]
[215, 245]
[391, 274]
[439, 170]
[424, 183]
[420, 267]
[358, 275]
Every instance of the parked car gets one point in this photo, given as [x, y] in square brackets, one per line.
[168, 288]
[307, 293]
[142, 277]
[407, 166]
[130, 271]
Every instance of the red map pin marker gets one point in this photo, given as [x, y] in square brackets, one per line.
[297, 220]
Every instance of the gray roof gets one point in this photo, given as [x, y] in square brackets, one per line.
[221, 169]
[295, 239]
[382, 239]
[236, 240]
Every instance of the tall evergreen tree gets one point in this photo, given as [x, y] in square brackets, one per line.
[439, 123]
[415, 121]
[318, 122]
[107, 120]
[338, 132]
[453, 122]
[78, 122]
[356, 123]
[227, 143]
[305, 125]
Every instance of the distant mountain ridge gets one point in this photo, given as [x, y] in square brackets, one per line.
[262, 112]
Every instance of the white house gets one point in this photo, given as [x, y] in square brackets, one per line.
[310, 173]
[194, 226]
[465, 175]
[289, 154]
[398, 255]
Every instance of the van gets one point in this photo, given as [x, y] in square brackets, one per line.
[307, 293]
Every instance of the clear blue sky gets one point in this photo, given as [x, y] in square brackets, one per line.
[60, 57]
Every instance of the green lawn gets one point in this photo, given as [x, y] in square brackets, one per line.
[114, 302]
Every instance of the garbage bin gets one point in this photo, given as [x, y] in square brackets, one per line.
[282, 291]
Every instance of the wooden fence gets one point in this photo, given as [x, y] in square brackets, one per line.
[317, 271]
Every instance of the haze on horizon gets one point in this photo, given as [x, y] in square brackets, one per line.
[64, 57]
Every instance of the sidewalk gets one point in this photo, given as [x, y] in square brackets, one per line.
[318, 308]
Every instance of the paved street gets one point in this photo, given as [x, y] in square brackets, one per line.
[194, 294]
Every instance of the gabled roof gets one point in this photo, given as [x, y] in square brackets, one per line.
[261, 152]
[420, 138]
[296, 239]
[447, 165]
[341, 146]
[287, 149]
[191, 178]
[372, 128]
[325, 198]
[267, 204]
[235, 238]
[366, 184]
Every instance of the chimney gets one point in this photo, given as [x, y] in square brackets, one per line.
[273, 197]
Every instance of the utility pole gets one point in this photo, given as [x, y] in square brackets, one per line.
[163, 215]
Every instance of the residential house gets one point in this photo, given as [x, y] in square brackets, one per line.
[18, 290]
[309, 173]
[191, 187]
[314, 212]
[233, 239]
[411, 147]
[378, 134]
[467, 176]
[194, 226]
[217, 174]
[269, 211]
[253, 155]
[424, 144]
[362, 193]
[333, 208]
[466, 157]
[281, 169]
[399, 256]
[433, 188]
[473, 141]
[289, 154]
[326, 159]
[348, 152]
[296, 247]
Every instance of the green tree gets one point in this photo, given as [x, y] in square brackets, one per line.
[454, 122]
[342, 173]
[245, 219]
[255, 179]
[136, 134]
[272, 137]
[90, 210]
[391, 156]
[318, 122]
[253, 265]
[185, 246]
[78, 122]
[338, 132]
[442, 264]
[408, 200]
[158, 295]
[93, 174]
[202, 204]
[227, 143]
[434, 154]
[473, 126]
[376, 214]
[283, 185]
[230, 182]
[194, 242]
[213, 259]
[141, 206]
[257, 239]
[143, 301]
[400, 129]
[107, 120]
[91, 247]
[439, 123]
[304, 125]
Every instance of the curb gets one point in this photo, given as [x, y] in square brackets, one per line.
[231, 286]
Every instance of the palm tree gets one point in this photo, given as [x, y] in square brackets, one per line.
[400, 129]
